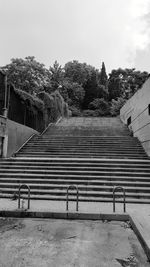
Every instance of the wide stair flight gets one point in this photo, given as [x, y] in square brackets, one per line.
[94, 154]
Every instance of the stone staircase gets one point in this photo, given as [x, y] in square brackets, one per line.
[95, 154]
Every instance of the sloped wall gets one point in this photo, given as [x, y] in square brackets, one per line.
[17, 135]
[136, 112]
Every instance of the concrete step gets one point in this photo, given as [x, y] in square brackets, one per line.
[77, 139]
[82, 153]
[114, 177]
[98, 182]
[14, 167]
[64, 150]
[83, 199]
[88, 188]
[84, 142]
[75, 172]
[80, 148]
[111, 156]
[82, 178]
[55, 161]
[84, 193]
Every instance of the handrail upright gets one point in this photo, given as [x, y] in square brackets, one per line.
[77, 200]
[124, 198]
[21, 186]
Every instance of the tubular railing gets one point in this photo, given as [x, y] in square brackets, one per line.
[35, 134]
[71, 187]
[114, 199]
[21, 186]
[18, 150]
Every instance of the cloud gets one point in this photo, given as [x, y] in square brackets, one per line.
[138, 28]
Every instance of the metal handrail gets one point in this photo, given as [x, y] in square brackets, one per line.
[34, 134]
[51, 123]
[77, 201]
[20, 186]
[124, 198]
[18, 150]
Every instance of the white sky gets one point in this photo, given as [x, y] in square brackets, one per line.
[114, 31]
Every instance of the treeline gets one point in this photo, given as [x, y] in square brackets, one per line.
[87, 90]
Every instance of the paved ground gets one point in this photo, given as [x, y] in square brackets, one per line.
[91, 207]
[89, 126]
[139, 212]
[90, 122]
[63, 243]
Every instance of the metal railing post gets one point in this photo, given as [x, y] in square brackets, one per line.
[124, 197]
[21, 186]
[77, 200]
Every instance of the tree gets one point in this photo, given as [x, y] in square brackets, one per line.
[91, 89]
[103, 76]
[73, 93]
[114, 88]
[77, 72]
[56, 75]
[27, 74]
[125, 82]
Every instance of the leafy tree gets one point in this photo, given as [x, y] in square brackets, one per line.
[91, 89]
[56, 75]
[125, 82]
[73, 93]
[77, 72]
[86, 76]
[114, 87]
[27, 74]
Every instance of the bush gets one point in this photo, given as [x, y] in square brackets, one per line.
[90, 113]
[101, 105]
[75, 111]
[116, 105]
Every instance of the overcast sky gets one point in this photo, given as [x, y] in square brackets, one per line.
[114, 31]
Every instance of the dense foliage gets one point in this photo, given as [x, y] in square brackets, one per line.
[87, 90]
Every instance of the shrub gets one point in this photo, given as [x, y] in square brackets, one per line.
[101, 105]
[90, 113]
[75, 111]
[116, 105]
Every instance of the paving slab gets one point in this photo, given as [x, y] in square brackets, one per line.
[139, 214]
[66, 243]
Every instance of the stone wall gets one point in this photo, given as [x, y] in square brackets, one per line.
[12, 136]
[17, 136]
[2, 92]
[136, 114]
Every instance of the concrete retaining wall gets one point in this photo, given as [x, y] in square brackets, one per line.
[17, 135]
[138, 108]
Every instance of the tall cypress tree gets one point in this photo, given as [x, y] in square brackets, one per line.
[103, 82]
[103, 75]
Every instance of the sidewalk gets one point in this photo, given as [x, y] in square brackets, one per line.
[84, 207]
[137, 214]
